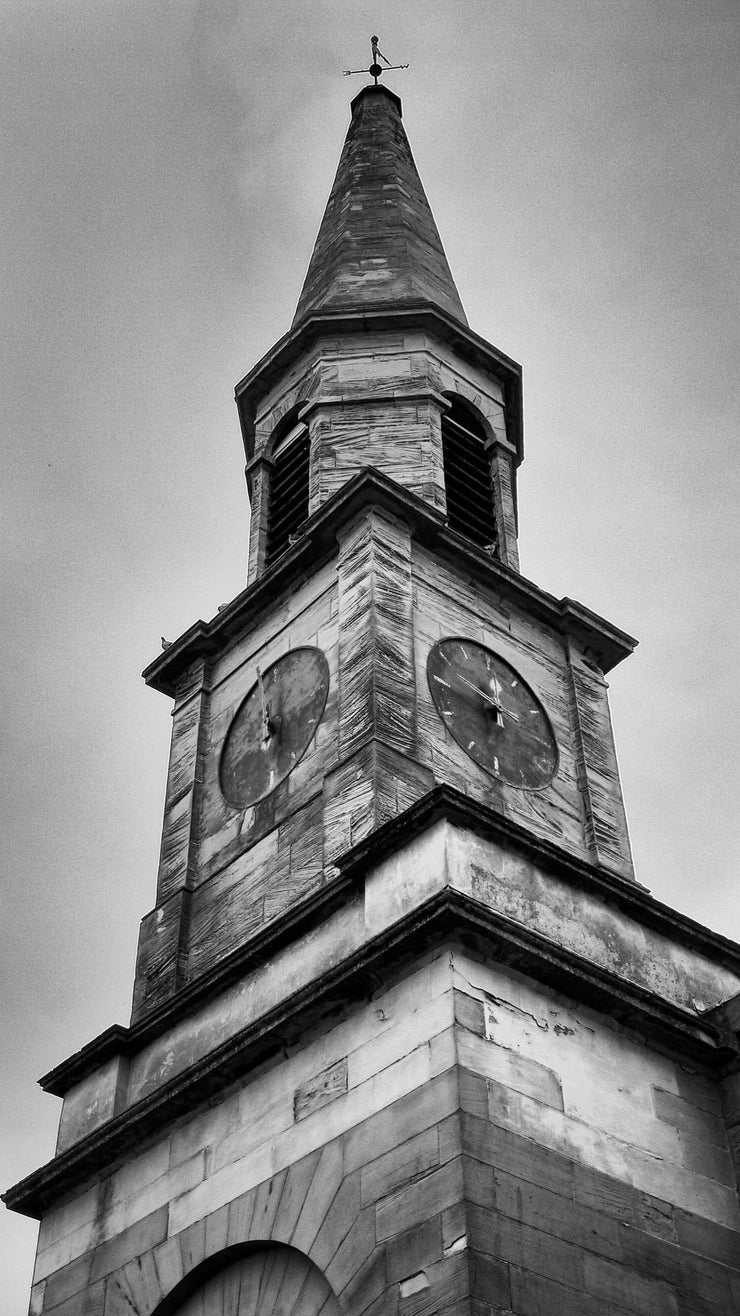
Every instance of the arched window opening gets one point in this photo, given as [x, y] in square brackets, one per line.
[467, 468]
[288, 505]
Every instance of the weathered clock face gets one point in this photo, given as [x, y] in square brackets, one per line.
[492, 713]
[273, 726]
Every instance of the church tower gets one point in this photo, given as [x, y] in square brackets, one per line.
[407, 1035]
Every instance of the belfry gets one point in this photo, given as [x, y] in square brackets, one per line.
[408, 1037]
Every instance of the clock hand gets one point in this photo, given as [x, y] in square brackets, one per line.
[266, 723]
[488, 698]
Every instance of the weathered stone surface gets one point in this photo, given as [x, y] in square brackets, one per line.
[93, 1102]
[406, 1039]
[378, 243]
[535, 1198]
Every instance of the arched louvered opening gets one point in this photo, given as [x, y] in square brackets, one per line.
[470, 508]
[288, 501]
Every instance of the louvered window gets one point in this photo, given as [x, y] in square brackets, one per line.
[288, 491]
[467, 475]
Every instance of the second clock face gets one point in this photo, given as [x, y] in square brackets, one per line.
[273, 727]
[492, 713]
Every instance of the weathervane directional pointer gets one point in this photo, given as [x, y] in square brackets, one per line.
[376, 68]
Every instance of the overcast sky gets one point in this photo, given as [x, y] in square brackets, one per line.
[164, 171]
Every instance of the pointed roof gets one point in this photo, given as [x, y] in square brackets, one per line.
[378, 245]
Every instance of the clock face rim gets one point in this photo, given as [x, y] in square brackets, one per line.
[449, 720]
[316, 706]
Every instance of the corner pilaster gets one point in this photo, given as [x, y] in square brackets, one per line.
[597, 772]
[162, 952]
[504, 505]
[378, 775]
[258, 483]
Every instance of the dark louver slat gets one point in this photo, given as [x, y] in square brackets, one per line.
[285, 509]
[292, 459]
[288, 497]
[467, 480]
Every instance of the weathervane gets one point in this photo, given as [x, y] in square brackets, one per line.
[376, 68]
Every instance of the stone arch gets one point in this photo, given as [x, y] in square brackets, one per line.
[262, 1279]
[283, 423]
[312, 1207]
[474, 404]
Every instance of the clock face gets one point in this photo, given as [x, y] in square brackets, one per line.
[492, 713]
[273, 726]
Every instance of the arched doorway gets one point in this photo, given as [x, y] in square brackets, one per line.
[266, 1281]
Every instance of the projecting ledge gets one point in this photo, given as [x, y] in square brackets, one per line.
[606, 644]
[386, 886]
[442, 874]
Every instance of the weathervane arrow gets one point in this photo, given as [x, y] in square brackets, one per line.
[376, 68]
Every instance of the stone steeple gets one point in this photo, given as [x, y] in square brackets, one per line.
[378, 357]
[407, 1036]
[378, 245]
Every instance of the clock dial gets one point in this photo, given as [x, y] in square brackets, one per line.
[492, 713]
[273, 726]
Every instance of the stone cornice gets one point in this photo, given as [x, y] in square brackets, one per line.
[317, 542]
[404, 316]
[442, 802]
[448, 915]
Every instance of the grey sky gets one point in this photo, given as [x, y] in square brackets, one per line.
[164, 170]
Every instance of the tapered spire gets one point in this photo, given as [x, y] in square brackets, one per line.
[378, 245]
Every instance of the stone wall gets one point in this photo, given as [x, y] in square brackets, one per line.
[463, 1137]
